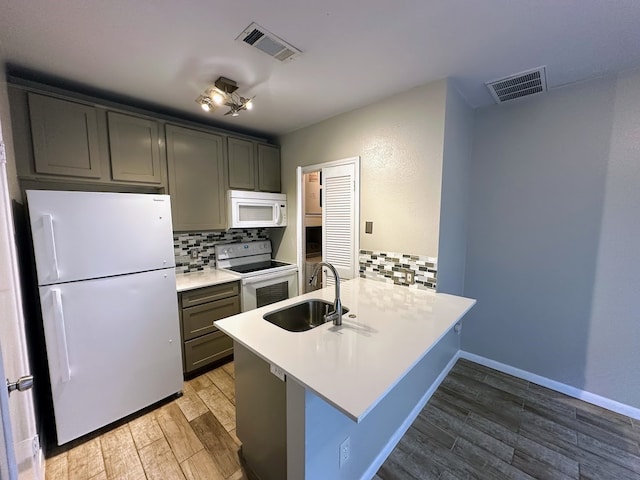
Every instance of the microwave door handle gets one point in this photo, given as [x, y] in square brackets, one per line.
[278, 214]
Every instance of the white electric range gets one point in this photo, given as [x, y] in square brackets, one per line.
[264, 280]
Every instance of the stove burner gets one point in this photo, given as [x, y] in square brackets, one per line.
[256, 267]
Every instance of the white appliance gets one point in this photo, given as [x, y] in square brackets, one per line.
[106, 277]
[264, 280]
[256, 209]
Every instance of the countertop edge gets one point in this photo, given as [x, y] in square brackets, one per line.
[359, 415]
[203, 279]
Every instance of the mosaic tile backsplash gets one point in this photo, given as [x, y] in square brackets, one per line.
[399, 268]
[202, 244]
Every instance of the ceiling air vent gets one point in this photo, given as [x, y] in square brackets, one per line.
[519, 85]
[267, 42]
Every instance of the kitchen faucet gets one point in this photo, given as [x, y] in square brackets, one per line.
[336, 315]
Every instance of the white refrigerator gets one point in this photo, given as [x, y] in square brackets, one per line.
[106, 278]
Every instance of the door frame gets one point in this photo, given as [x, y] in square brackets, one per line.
[300, 171]
[8, 465]
[25, 455]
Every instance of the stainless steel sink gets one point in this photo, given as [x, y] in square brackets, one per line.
[302, 316]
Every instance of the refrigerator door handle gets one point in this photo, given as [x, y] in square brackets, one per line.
[61, 337]
[50, 241]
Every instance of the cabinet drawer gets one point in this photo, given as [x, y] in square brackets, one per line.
[206, 349]
[199, 320]
[209, 294]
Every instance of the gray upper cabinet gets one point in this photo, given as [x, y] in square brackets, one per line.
[242, 168]
[253, 166]
[268, 168]
[65, 137]
[134, 145]
[197, 182]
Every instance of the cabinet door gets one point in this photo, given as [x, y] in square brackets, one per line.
[196, 179]
[135, 149]
[65, 137]
[268, 168]
[241, 164]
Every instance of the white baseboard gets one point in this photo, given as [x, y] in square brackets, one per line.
[402, 429]
[574, 392]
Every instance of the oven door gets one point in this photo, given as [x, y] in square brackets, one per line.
[264, 289]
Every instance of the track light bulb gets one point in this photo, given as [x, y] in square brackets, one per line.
[217, 98]
[223, 92]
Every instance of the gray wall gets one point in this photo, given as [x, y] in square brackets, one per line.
[400, 142]
[316, 431]
[554, 237]
[452, 243]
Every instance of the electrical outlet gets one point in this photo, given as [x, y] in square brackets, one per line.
[278, 372]
[368, 227]
[410, 276]
[345, 451]
[194, 253]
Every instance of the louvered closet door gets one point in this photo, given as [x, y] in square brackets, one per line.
[338, 221]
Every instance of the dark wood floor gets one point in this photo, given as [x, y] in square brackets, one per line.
[483, 424]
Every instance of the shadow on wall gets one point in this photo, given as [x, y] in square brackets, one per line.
[538, 177]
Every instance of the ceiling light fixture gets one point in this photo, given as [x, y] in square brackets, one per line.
[223, 92]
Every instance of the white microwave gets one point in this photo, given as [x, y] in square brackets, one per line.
[256, 209]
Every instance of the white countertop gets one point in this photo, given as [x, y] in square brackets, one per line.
[353, 366]
[203, 278]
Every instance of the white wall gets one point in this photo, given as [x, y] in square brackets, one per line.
[553, 248]
[400, 142]
[452, 242]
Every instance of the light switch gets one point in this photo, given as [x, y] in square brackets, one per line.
[368, 227]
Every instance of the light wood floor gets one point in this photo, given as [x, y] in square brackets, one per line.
[479, 424]
[483, 424]
[192, 437]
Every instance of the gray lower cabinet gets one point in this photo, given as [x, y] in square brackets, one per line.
[253, 166]
[65, 137]
[197, 182]
[261, 414]
[134, 145]
[203, 343]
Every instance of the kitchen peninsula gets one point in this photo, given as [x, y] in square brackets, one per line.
[348, 391]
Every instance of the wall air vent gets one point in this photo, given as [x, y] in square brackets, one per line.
[267, 42]
[519, 85]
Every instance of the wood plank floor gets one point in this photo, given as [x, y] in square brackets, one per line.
[480, 424]
[190, 438]
[483, 424]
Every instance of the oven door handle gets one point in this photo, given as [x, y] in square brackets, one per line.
[271, 276]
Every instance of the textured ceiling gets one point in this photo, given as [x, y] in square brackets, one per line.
[165, 52]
